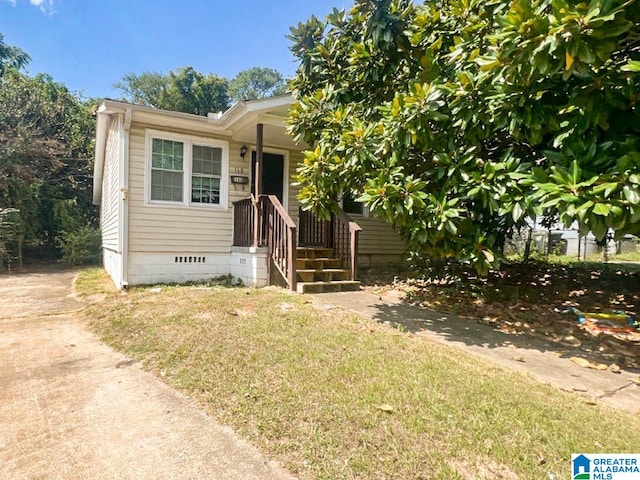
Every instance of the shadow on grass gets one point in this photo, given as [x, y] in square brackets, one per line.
[469, 331]
[39, 267]
[547, 360]
[520, 305]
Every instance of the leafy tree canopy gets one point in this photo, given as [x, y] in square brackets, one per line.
[457, 120]
[46, 147]
[184, 90]
[257, 82]
[11, 57]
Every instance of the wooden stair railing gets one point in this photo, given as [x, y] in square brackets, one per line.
[346, 235]
[276, 230]
[280, 237]
[340, 234]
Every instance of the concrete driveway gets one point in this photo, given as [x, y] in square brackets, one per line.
[72, 408]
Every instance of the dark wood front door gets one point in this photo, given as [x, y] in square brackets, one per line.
[272, 174]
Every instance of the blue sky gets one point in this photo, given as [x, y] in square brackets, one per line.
[90, 44]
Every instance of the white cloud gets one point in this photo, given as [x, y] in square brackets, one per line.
[45, 6]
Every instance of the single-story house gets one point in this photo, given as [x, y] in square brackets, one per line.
[189, 198]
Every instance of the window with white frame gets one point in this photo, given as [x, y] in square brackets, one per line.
[167, 170]
[206, 174]
[186, 170]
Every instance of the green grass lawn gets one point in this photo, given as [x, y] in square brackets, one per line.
[335, 396]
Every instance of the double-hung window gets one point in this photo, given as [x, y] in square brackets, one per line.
[167, 170]
[206, 174]
[186, 170]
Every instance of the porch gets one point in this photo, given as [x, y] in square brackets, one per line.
[311, 256]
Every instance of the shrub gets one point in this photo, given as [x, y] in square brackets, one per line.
[80, 246]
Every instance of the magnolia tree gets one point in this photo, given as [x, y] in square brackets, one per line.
[458, 120]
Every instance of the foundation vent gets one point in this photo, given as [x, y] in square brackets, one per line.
[190, 259]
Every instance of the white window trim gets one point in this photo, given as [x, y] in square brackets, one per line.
[285, 168]
[187, 169]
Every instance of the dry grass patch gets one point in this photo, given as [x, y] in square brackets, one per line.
[332, 395]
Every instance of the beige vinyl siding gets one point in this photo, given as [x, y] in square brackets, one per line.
[110, 189]
[238, 166]
[195, 229]
[377, 236]
[178, 229]
[294, 159]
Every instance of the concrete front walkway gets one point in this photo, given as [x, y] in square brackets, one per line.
[548, 362]
[72, 408]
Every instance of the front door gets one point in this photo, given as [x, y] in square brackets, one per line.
[272, 174]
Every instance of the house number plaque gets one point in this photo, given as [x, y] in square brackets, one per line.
[239, 179]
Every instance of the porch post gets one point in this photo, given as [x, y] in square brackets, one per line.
[257, 181]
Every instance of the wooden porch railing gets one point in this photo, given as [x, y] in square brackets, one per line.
[276, 230]
[313, 231]
[340, 233]
[243, 218]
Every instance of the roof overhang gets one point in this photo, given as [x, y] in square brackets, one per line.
[237, 123]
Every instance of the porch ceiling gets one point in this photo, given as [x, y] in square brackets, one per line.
[275, 134]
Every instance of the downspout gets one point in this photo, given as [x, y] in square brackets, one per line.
[124, 203]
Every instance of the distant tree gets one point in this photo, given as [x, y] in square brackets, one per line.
[192, 92]
[148, 88]
[184, 90]
[257, 82]
[11, 57]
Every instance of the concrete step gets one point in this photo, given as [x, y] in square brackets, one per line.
[323, 275]
[317, 263]
[313, 252]
[325, 287]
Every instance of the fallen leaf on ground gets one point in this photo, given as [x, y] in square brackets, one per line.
[518, 358]
[385, 407]
[615, 368]
[581, 362]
